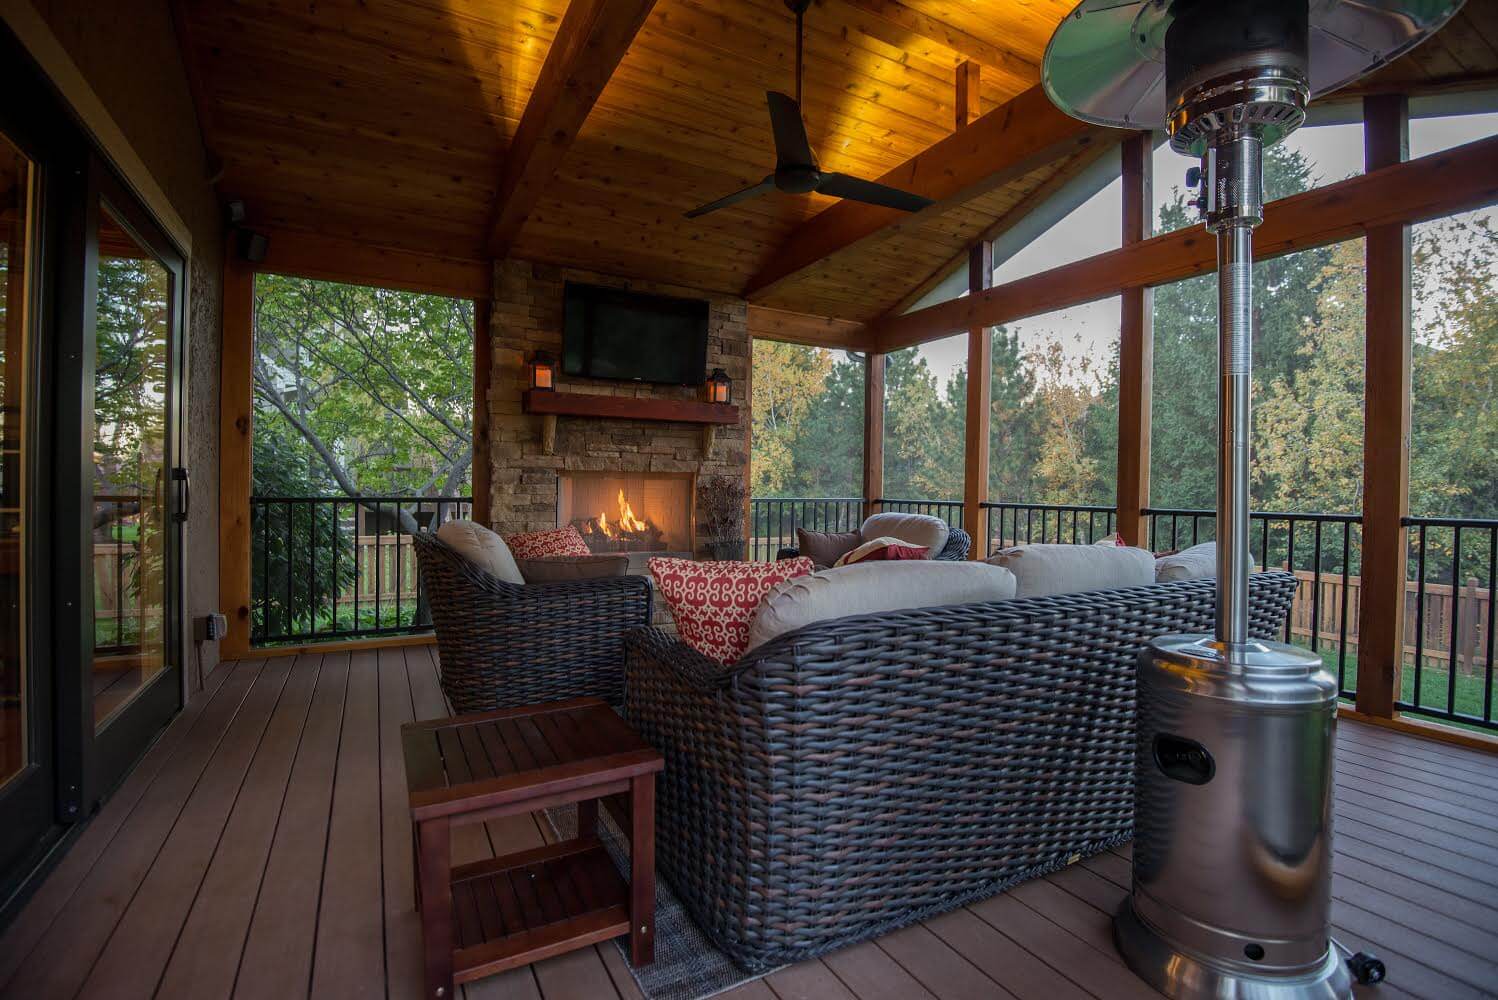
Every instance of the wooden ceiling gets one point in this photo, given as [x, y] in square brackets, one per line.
[390, 121]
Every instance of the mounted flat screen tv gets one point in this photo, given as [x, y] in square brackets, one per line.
[614, 333]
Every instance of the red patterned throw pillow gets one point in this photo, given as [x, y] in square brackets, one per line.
[546, 544]
[713, 603]
[882, 550]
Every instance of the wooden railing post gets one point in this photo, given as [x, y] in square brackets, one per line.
[1136, 336]
[1386, 426]
[873, 431]
[235, 457]
[979, 405]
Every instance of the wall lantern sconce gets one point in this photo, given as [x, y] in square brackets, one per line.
[543, 371]
[719, 387]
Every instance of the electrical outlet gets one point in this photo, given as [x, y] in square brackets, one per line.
[210, 628]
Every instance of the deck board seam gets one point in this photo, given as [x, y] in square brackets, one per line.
[322, 875]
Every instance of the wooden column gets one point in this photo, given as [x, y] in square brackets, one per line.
[1386, 425]
[1136, 345]
[873, 431]
[979, 406]
[235, 457]
[483, 365]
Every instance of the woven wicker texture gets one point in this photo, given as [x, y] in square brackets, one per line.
[503, 644]
[861, 774]
[956, 549]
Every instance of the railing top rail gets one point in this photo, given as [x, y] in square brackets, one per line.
[1086, 508]
[1274, 515]
[1451, 522]
[344, 498]
[944, 503]
[807, 499]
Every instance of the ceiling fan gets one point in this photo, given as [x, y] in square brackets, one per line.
[796, 170]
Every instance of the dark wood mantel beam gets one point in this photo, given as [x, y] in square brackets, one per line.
[1009, 141]
[593, 37]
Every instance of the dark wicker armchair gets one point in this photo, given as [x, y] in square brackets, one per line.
[956, 549]
[859, 775]
[505, 644]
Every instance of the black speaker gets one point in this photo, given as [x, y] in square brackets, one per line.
[253, 245]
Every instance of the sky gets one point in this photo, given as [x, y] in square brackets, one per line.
[1096, 225]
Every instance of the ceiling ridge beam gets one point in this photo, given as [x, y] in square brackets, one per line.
[1008, 142]
[589, 44]
[1454, 180]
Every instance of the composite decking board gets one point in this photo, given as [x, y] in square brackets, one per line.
[53, 895]
[1412, 882]
[216, 925]
[276, 961]
[145, 936]
[59, 961]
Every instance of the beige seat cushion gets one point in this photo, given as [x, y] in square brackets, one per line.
[1196, 563]
[871, 587]
[1043, 570]
[917, 529]
[482, 547]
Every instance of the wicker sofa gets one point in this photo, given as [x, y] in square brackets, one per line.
[858, 775]
[506, 644]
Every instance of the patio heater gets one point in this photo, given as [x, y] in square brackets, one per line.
[1233, 761]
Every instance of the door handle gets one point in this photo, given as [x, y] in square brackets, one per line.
[184, 493]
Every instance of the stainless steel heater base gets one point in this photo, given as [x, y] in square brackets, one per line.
[1180, 975]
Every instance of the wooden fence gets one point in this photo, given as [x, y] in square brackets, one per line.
[1468, 605]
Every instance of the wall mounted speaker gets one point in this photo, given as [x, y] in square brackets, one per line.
[253, 245]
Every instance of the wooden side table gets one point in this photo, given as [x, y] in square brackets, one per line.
[483, 918]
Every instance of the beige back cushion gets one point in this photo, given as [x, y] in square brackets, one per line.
[1043, 570]
[917, 529]
[871, 587]
[1196, 563]
[482, 547]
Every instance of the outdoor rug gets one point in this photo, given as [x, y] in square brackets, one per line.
[686, 966]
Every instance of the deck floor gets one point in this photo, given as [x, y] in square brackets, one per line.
[261, 849]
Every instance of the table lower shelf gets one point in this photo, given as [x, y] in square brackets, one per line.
[524, 907]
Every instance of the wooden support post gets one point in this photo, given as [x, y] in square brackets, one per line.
[979, 407]
[1136, 346]
[873, 432]
[483, 365]
[235, 456]
[1386, 425]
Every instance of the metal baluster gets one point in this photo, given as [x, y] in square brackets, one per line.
[358, 570]
[398, 508]
[1290, 561]
[337, 563]
[1419, 620]
[1487, 681]
[264, 570]
[1316, 593]
[289, 624]
[379, 618]
[1346, 600]
[312, 577]
[1456, 619]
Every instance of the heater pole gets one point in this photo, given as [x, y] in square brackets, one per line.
[1235, 205]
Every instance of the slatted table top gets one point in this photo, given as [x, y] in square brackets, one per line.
[472, 762]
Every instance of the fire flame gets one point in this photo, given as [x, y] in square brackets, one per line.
[627, 519]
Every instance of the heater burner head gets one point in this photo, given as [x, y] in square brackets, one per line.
[1202, 65]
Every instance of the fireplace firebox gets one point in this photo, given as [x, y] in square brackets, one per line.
[630, 512]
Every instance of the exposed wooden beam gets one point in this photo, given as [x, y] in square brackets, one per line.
[1135, 350]
[969, 93]
[235, 450]
[766, 323]
[1453, 180]
[1386, 424]
[1009, 141]
[979, 404]
[310, 255]
[918, 23]
[592, 38]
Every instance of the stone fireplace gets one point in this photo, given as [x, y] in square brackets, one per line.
[641, 512]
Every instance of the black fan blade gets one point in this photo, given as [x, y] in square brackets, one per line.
[856, 189]
[764, 186]
[792, 148]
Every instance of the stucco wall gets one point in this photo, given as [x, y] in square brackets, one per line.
[128, 54]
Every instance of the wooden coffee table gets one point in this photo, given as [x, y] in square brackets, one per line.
[482, 918]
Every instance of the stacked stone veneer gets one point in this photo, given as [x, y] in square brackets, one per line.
[527, 316]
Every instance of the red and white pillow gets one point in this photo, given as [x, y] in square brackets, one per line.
[887, 549]
[713, 603]
[547, 544]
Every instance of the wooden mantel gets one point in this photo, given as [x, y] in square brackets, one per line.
[551, 404]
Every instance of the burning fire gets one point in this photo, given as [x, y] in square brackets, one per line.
[627, 519]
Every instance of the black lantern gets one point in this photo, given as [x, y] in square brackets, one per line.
[543, 369]
[719, 387]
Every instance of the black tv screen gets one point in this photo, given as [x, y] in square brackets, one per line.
[613, 333]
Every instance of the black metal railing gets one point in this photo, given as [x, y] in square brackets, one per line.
[1448, 647]
[774, 520]
[1009, 524]
[1324, 551]
[116, 565]
[949, 511]
[340, 567]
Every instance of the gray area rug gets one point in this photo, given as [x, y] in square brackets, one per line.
[686, 966]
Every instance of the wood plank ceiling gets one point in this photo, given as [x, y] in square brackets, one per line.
[388, 121]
